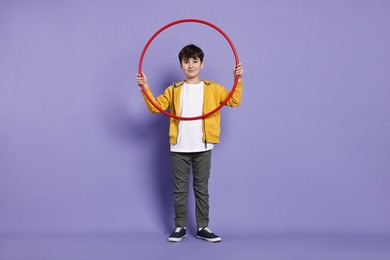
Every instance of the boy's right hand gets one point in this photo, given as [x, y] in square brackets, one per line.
[142, 80]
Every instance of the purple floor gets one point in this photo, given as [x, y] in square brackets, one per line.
[155, 246]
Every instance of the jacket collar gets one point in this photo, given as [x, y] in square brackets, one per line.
[179, 84]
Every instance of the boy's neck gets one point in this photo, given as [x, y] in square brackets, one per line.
[193, 81]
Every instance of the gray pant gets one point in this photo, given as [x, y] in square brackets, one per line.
[181, 165]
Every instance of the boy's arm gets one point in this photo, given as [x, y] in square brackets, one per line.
[163, 101]
[235, 99]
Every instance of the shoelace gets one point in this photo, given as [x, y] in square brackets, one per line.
[207, 229]
[178, 229]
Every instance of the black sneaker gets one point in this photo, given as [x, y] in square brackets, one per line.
[177, 235]
[208, 235]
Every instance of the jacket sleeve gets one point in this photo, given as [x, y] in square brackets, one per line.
[163, 101]
[235, 99]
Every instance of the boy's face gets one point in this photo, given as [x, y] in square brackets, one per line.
[191, 68]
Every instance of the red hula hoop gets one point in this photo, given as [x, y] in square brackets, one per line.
[172, 24]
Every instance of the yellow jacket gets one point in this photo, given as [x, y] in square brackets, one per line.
[214, 95]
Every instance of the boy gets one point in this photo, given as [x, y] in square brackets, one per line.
[192, 140]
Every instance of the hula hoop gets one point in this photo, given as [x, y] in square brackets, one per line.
[164, 28]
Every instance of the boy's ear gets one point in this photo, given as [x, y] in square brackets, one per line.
[201, 65]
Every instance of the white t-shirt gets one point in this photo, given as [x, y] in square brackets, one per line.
[190, 134]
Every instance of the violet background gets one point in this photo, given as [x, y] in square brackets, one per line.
[305, 155]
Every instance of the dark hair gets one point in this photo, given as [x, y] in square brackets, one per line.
[191, 51]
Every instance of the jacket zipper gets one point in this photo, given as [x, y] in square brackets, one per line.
[204, 132]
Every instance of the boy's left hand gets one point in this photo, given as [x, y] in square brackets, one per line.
[238, 70]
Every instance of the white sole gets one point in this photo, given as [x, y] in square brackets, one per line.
[212, 240]
[172, 239]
